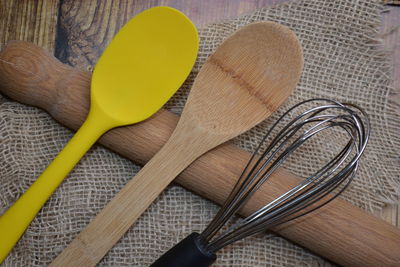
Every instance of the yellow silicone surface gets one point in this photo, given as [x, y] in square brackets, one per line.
[150, 58]
[141, 69]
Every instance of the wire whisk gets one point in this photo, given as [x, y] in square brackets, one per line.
[290, 132]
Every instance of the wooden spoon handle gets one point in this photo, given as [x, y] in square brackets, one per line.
[95, 240]
[340, 232]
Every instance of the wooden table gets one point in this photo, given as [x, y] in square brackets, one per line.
[43, 22]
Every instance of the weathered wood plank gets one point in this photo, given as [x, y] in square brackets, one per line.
[33, 21]
[80, 39]
[86, 35]
[86, 27]
[390, 34]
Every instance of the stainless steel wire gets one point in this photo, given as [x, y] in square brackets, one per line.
[314, 191]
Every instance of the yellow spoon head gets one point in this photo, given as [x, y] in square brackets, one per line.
[144, 65]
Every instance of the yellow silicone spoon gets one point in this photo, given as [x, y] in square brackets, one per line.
[147, 61]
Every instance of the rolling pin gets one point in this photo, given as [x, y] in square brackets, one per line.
[339, 231]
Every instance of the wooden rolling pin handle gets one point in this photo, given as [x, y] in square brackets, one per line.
[340, 232]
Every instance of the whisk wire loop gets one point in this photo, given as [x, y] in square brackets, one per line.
[315, 191]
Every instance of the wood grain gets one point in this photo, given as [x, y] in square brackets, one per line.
[78, 36]
[33, 21]
[362, 240]
[390, 34]
[232, 93]
[82, 47]
[86, 27]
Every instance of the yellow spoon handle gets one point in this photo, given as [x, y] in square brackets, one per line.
[18, 217]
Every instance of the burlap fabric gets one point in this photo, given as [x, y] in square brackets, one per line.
[342, 61]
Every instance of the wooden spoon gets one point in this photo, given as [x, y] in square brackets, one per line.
[371, 240]
[241, 84]
[139, 71]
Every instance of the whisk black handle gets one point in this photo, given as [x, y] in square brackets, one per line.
[190, 252]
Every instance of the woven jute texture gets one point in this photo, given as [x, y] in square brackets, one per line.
[343, 61]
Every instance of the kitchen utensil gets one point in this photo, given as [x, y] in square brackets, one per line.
[140, 70]
[242, 83]
[323, 184]
[32, 76]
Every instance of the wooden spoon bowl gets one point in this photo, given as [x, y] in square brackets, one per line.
[241, 84]
[245, 80]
